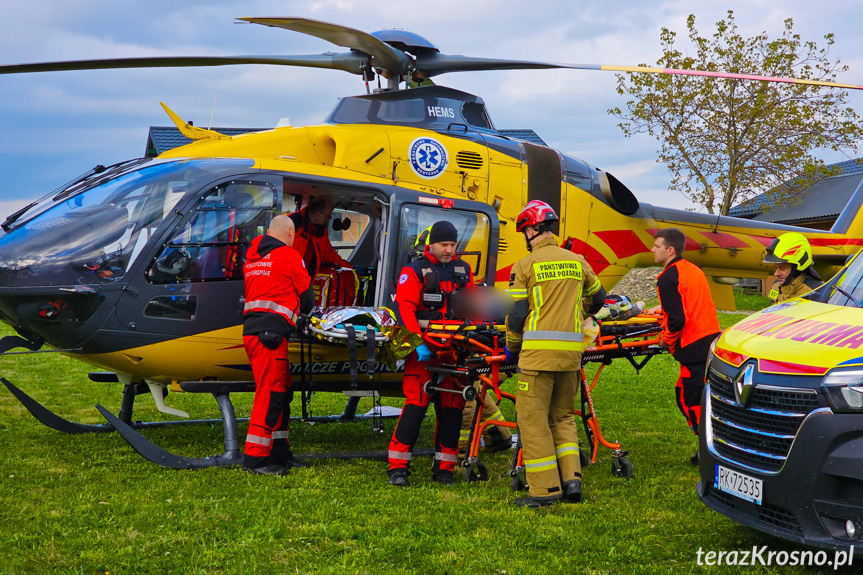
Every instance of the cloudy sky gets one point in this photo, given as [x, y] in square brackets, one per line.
[54, 126]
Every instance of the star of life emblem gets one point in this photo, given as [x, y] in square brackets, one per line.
[428, 158]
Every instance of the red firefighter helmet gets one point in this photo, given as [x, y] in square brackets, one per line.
[535, 213]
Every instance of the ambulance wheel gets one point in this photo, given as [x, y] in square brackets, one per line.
[621, 467]
[469, 394]
[481, 473]
[517, 484]
[428, 388]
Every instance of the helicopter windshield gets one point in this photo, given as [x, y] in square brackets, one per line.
[95, 235]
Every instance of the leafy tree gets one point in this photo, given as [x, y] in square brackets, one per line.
[726, 140]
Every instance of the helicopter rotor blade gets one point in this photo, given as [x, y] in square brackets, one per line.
[352, 62]
[395, 62]
[434, 63]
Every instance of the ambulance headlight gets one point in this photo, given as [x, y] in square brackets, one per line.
[844, 390]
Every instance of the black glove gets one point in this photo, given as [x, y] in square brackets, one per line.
[270, 339]
[302, 323]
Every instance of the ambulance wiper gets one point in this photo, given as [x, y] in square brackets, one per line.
[848, 295]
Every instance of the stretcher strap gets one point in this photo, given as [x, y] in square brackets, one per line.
[352, 350]
[370, 351]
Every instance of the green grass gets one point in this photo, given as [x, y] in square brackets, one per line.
[89, 504]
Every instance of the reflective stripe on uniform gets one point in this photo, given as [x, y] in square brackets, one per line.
[566, 449]
[258, 440]
[464, 434]
[270, 305]
[537, 304]
[451, 457]
[543, 464]
[554, 335]
[556, 340]
[593, 288]
[518, 294]
[406, 455]
[285, 434]
[553, 345]
[497, 415]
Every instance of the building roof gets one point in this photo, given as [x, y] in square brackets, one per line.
[523, 135]
[825, 199]
[164, 138]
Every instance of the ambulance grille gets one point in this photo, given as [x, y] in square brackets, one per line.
[760, 435]
[468, 160]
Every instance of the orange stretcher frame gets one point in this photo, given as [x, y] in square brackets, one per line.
[485, 363]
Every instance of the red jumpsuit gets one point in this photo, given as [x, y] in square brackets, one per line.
[448, 406]
[313, 243]
[277, 290]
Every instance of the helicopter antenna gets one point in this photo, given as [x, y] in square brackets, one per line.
[213, 113]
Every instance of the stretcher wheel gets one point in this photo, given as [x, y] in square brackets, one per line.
[428, 388]
[469, 394]
[517, 484]
[621, 467]
[481, 473]
[584, 458]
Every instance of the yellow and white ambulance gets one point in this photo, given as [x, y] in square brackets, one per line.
[782, 426]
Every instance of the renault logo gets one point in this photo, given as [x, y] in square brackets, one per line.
[743, 384]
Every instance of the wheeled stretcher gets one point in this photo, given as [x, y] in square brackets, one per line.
[474, 352]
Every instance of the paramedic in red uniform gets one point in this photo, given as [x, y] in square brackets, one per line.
[422, 294]
[312, 238]
[688, 318]
[278, 297]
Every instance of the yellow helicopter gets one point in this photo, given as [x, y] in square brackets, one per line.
[137, 268]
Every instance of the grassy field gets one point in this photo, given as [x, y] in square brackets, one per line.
[89, 504]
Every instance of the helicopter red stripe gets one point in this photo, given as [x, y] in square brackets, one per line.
[624, 243]
[592, 255]
[763, 240]
[836, 241]
[502, 275]
[724, 240]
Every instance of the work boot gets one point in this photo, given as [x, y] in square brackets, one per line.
[572, 491]
[398, 477]
[501, 445]
[269, 469]
[292, 461]
[443, 478]
[534, 502]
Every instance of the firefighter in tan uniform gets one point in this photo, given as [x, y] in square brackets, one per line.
[791, 256]
[544, 331]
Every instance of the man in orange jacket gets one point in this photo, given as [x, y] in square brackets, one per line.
[688, 318]
[312, 239]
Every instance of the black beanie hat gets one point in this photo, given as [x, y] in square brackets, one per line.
[443, 232]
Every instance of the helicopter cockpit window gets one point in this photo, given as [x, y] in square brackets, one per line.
[476, 115]
[212, 244]
[95, 235]
[474, 230]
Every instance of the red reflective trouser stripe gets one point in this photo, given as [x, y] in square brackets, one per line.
[448, 409]
[690, 386]
[271, 408]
